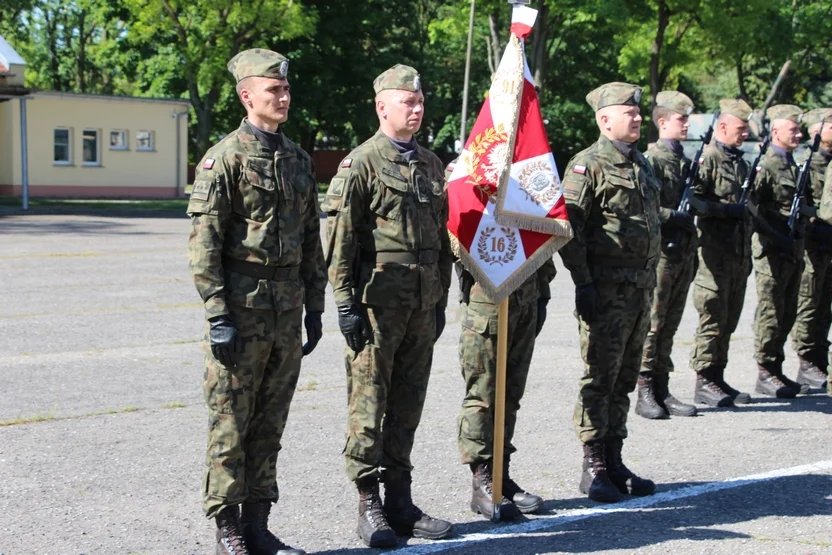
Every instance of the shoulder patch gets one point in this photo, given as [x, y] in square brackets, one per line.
[208, 164]
[701, 160]
[336, 187]
[578, 168]
[759, 169]
[201, 189]
[346, 163]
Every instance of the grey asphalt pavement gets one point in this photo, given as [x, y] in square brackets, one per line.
[102, 425]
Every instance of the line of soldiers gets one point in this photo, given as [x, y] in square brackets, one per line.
[258, 264]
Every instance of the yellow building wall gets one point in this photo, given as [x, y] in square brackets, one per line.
[7, 141]
[129, 172]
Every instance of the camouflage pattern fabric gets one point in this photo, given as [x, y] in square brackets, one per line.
[478, 361]
[724, 258]
[614, 94]
[380, 204]
[825, 214]
[251, 204]
[399, 77]
[777, 272]
[613, 206]
[258, 62]
[814, 301]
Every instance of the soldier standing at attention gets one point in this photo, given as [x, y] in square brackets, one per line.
[724, 254]
[777, 258]
[256, 257]
[390, 265]
[677, 263]
[825, 214]
[814, 317]
[612, 199]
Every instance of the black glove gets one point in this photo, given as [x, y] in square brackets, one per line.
[541, 315]
[353, 326]
[733, 211]
[820, 231]
[681, 220]
[466, 282]
[440, 321]
[314, 331]
[225, 340]
[586, 302]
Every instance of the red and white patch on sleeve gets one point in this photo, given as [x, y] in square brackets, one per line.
[759, 169]
[701, 160]
[208, 164]
[578, 168]
[346, 163]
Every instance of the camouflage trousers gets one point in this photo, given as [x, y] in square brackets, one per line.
[611, 348]
[814, 308]
[778, 281]
[248, 406]
[673, 281]
[478, 359]
[386, 387]
[718, 295]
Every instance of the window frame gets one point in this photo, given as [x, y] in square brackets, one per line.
[97, 147]
[68, 161]
[152, 135]
[125, 143]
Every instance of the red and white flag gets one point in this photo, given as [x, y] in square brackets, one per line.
[506, 211]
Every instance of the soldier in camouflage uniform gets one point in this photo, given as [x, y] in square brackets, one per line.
[777, 258]
[256, 257]
[612, 199]
[814, 317]
[677, 263]
[825, 214]
[724, 254]
[390, 265]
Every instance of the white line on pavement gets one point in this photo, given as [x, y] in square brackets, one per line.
[547, 522]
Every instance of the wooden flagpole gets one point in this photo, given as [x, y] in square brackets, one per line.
[500, 410]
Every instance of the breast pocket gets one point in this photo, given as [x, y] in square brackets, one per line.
[784, 193]
[621, 196]
[390, 198]
[258, 191]
[727, 185]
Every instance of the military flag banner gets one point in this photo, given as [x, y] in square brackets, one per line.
[506, 211]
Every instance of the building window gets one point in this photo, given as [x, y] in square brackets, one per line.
[144, 140]
[91, 150]
[118, 139]
[63, 147]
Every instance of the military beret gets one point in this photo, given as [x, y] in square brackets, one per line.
[735, 107]
[675, 101]
[785, 111]
[399, 77]
[817, 115]
[613, 94]
[258, 62]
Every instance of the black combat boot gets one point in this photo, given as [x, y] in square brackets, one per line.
[595, 480]
[525, 502]
[623, 478]
[372, 525]
[647, 406]
[481, 494]
[661, 383]
[229, 539]
[407, 519]
[254, 522]
[811, 374]
[799, 388]
[739, 397]
[708, 392]
[769, 383]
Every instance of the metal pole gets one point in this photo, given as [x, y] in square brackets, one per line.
[464, 123]
[176, 116]
[24, 154]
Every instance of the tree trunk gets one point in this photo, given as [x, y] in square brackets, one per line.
[539, 40]
[656, 77]
[493, 26]
[81, 77]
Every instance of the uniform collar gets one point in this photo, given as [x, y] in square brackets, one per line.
[783, 154]
[248, 137]
[390, 152]
[671, 145]
[608, 147]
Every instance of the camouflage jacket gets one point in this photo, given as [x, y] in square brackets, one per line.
[534, 288]
[671, 169]
[825, 208]
[774, 190]
[379, 204]
[613, 206]
[814, 191]
[719, 181]
[250, 204]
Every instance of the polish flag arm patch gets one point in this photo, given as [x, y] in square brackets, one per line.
[208, 164]
[701, 160]
[578, 168]
[346, 163]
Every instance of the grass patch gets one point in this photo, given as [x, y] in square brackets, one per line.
[48, 417]
[117, 411]
[174, 405]
[98, 204]
[311, 385]
[322, 188]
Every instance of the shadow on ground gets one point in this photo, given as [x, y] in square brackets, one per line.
[815, 402]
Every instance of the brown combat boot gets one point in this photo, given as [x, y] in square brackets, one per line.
[670, 403]
[372, 525]
[482, 492]
[769, 383]
[254, 523]
[229, 539]
[647, 405]
[404, 517]
[525, 502]
[625, 479]
[708, 391]
[595, 480]
[811, 374]
[739, 397]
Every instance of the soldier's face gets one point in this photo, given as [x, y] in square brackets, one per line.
[675, 127]
[786, 134]
[734, 130]
[621, 123]
[401, 112]
[267, 100]
[825, 136]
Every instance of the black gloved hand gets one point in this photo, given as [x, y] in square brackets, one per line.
[440, 321]
[733, 211]
[682, 220]
[353, 326]
[466, 282]
[314, 331]
[225, 340]
[586, 302]
[541, 315]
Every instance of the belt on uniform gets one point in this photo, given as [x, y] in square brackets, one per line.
[260, 271]
[421, 257]
[615, 262]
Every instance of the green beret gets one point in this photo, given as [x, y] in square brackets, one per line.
[613, 94]
[817, 115]
[675, 101]
[399, 77]
[735, 107]
[785, 111]
[258, 62]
